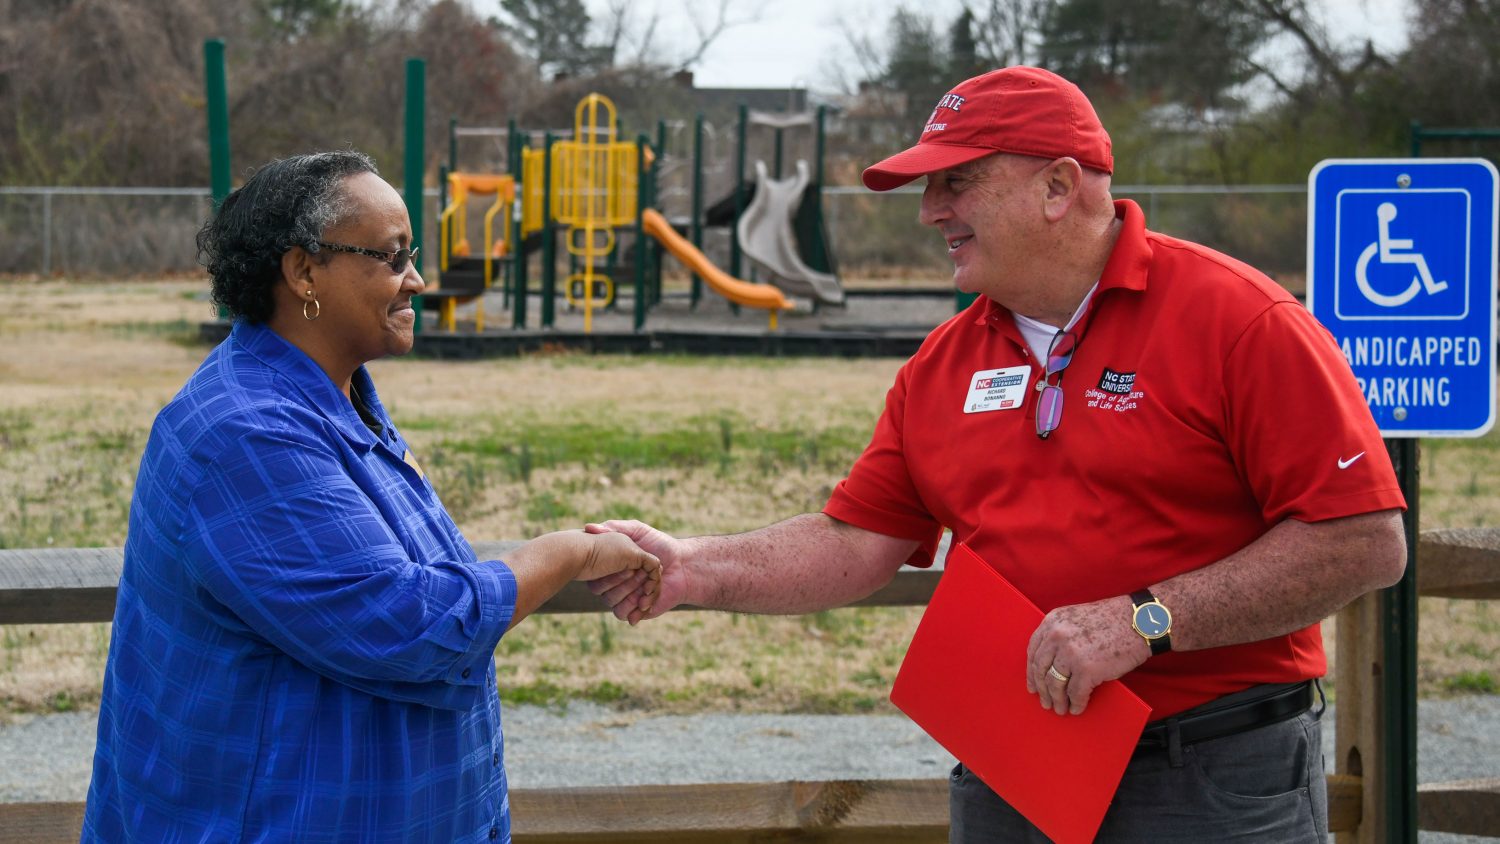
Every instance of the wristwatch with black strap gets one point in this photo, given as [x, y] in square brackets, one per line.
[1152, 620]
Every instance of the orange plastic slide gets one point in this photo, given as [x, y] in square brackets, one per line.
[739, 292]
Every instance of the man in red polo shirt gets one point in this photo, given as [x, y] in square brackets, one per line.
[1214, 489]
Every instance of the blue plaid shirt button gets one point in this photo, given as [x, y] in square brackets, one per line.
[494, 833]
[495, 760]
[464, 674]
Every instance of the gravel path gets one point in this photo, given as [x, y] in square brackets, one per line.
[48, 757]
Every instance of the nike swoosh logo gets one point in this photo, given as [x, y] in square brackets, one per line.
[1344, 464]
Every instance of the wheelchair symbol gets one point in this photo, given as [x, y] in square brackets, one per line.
[1386, 246]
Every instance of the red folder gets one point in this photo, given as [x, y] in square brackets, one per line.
[964, 682]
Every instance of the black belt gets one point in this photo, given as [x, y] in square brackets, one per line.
[1260, 706]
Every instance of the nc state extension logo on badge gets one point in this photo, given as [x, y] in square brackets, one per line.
[997, 389]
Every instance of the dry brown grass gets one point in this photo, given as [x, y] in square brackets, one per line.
[85, 366]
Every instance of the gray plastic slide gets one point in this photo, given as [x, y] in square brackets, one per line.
[765, 231]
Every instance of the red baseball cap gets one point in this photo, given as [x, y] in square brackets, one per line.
[1021, 110]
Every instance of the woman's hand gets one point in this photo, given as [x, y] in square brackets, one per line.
[544, 565]
[617, 554]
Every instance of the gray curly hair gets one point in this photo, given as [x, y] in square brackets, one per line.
[288, 202]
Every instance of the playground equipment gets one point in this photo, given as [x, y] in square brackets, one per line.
[786, 233]
[458, 282]
[737, 291]
[593, 190]
[595, 183]
[527, 221]
[765, 234]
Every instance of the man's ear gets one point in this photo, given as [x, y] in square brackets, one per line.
[1064, 187]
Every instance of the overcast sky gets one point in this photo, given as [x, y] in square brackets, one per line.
[802, 43]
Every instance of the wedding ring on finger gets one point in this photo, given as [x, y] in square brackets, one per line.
[1057, 675]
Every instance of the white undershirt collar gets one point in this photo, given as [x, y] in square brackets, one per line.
[1038, 334]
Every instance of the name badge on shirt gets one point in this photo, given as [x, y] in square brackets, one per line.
[411, 461]
[997, 389]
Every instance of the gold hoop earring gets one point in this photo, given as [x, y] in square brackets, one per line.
[317, 308]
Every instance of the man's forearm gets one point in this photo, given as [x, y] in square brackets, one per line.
[1297, 574]
[1293, 576]
[804, 564]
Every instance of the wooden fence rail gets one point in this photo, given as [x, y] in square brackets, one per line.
[72, 585]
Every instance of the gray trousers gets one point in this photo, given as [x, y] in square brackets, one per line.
[1262, 785]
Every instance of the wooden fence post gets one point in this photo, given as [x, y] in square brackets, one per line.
[1359, 721]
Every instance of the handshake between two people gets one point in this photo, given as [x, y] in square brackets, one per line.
[634, 595]
[611, 561]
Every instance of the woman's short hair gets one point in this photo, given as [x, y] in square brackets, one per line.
[288, 202]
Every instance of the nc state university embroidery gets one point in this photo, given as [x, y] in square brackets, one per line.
[1119, 383]
[952, 102]
[1116, 391]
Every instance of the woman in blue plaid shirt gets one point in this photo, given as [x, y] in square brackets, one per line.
[303, 644]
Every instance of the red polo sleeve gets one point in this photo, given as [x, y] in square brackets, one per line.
[1298, 426]
[878, 495]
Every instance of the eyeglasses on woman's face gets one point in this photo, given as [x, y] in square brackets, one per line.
[397, 260]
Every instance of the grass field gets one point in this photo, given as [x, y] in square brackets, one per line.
[521, 446]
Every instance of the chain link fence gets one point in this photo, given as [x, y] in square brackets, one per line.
[877, 234]
[143, 231]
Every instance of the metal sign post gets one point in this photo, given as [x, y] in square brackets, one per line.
[1401, 260]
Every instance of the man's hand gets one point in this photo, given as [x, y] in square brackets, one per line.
[1088, 644]
[625, 592]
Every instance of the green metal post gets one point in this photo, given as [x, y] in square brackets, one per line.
[653, 193]
[1399, 682]
[640, 234]
[739, 193]
[416, 156]
[516, 168]
[214, 80]
[549, 238]
[697, 224]
[809, 223]
[512, 153]
[819, 149]
[1416, 139]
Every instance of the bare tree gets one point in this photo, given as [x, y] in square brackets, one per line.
[1451, 70]
[1010, 32]
[625, 25]
[711, 27]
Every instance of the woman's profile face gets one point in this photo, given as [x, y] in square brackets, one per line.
[366, 307]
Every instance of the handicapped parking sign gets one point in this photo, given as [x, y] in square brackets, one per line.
[1393, 278]
[1402, 271]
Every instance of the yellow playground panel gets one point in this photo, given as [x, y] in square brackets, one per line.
[594, 182]
[533, 183]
